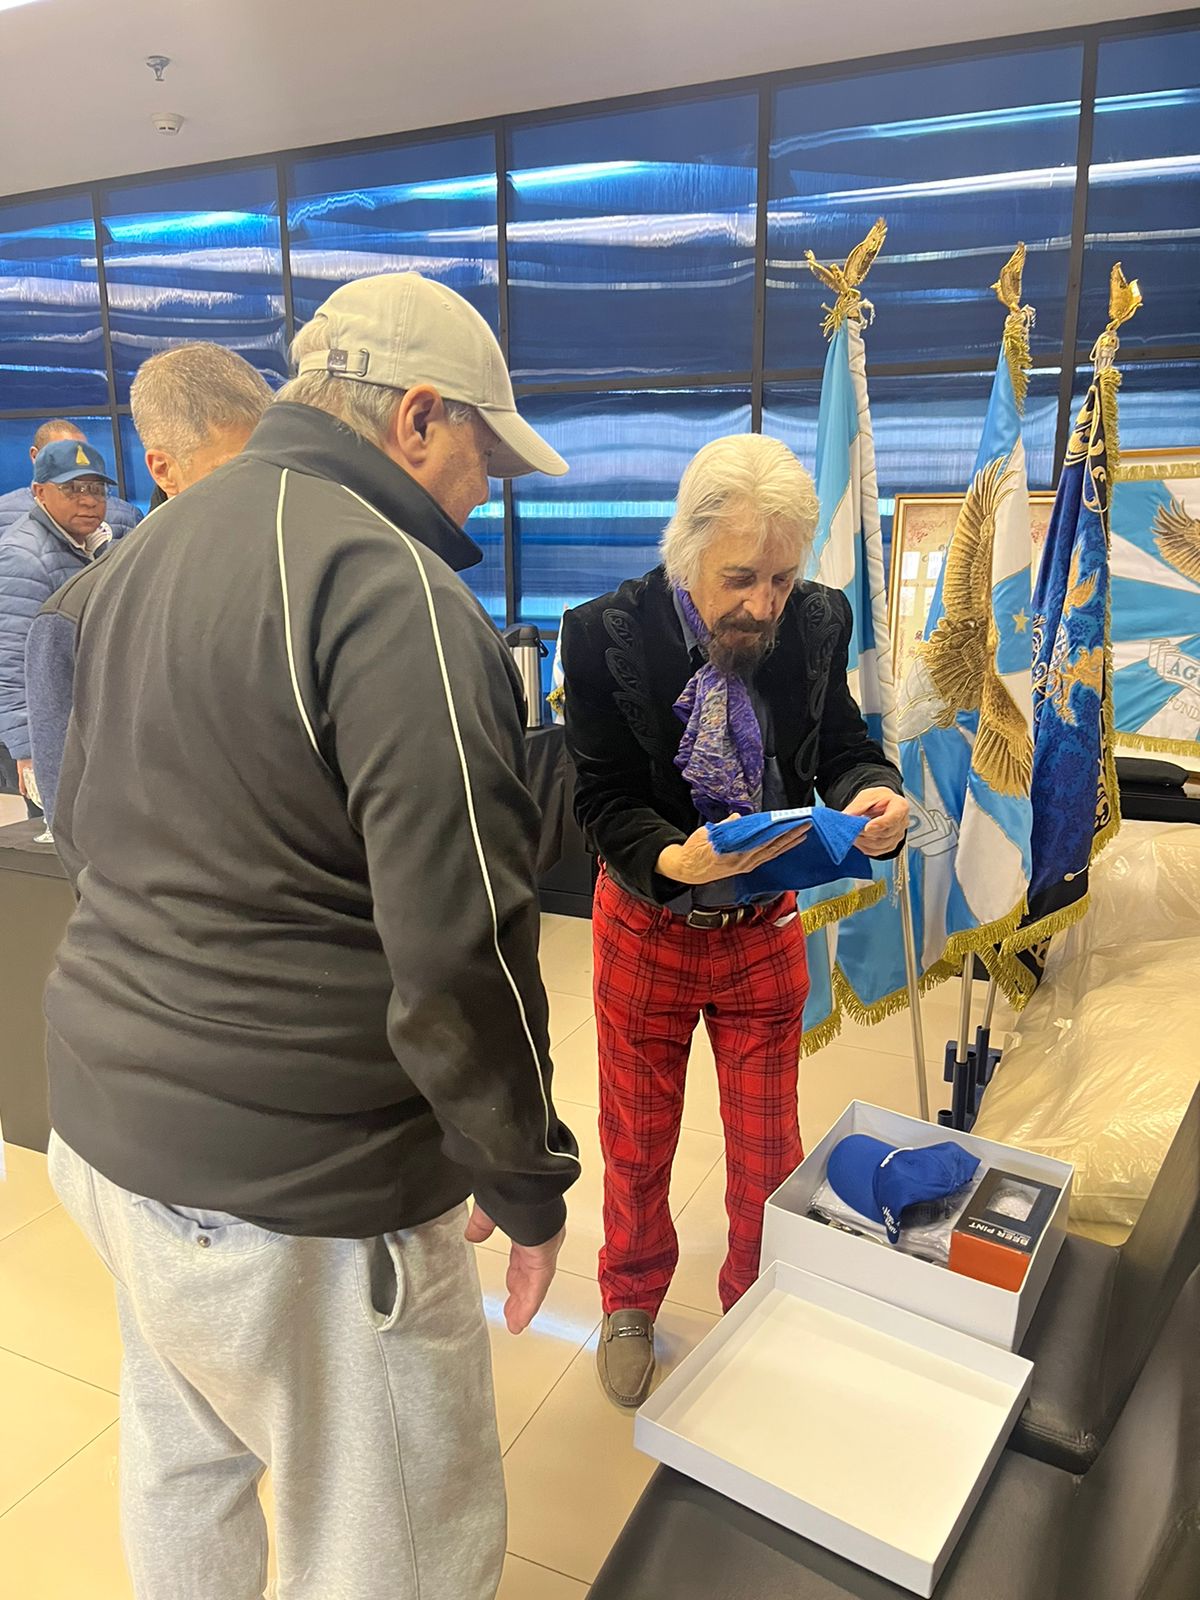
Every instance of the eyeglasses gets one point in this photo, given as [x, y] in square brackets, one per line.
[84, 489]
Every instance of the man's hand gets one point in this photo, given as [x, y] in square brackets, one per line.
[26, 781]
[530, 1270]
[888, 812]
[695, 861]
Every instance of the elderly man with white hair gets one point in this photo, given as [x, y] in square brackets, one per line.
[714, 685]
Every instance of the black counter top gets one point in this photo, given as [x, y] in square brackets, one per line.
[21, 852]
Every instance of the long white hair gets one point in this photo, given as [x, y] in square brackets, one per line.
[746, 477]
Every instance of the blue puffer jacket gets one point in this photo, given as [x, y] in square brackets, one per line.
[35, 561]
[121, 517]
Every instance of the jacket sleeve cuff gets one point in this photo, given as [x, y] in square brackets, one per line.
[639, 868]
[853, 783]
[524, 1224]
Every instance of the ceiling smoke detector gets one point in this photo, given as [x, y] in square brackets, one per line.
[167, 121]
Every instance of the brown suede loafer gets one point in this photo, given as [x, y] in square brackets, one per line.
[625, 1357]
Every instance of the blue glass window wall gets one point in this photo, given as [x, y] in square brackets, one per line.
[195, 258]
[51, 349]
[964, 159]
[629, 303]
[631, 243]
[428, 208]
[1144, 188]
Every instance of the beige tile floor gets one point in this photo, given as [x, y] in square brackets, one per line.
[572, 1472]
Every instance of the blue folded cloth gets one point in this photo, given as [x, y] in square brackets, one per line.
[825, 853]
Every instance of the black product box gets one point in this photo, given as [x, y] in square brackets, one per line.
[995, 1237]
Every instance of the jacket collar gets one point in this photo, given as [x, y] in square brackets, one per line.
[309, 441]
[46, 522]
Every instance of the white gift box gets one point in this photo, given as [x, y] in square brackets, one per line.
[863, 1427]
[1001, 1316]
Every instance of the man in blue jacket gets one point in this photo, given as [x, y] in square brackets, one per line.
[38, 553]
[120, 516]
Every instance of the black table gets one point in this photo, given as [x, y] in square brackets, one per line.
[563, 864]
[35, 902]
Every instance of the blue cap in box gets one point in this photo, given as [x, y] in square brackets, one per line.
[66, 459]
[881, 1181]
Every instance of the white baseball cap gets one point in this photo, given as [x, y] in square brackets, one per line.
[399, 330]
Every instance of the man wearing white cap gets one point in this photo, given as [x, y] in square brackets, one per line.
[296, 1018]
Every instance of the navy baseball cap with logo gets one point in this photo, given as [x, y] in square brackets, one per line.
[881, 1182]
[66, 459]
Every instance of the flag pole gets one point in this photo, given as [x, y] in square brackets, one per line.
[960, 1097]
[914, 988]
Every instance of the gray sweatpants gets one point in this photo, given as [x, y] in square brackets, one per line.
[357, 1370]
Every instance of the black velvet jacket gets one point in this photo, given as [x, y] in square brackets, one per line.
[625, 662]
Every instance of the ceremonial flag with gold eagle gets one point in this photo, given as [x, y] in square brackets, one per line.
[847, 555]
[1074, 787]
[966, 707]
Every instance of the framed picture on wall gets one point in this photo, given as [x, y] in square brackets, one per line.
[1155, 526]
[921, 531]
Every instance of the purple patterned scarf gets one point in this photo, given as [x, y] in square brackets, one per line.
[721, 752]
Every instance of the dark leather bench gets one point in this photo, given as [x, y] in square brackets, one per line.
[1129, 1529]
[1102, 1310]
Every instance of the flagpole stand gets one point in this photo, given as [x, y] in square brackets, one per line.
[914, 990]
[969, 1068]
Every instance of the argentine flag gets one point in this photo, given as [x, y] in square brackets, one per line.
[966, 705]
[848, 966]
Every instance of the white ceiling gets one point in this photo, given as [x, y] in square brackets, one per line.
[252, 76]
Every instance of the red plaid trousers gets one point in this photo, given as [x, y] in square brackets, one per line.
[654, 978]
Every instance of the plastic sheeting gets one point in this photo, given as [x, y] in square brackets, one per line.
[1109, 1047]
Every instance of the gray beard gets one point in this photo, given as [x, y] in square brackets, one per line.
[743, 659]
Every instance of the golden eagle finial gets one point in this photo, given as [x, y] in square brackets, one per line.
[1008, 285]
[846, 281]
[1124, 297]
[1017, 325]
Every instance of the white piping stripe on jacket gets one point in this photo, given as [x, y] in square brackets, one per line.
[470, 798]
[287, 615]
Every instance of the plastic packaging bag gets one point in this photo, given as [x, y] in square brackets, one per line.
[1108, 1051]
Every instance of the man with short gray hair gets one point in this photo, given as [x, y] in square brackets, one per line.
[297, 1016]
[194, 408]
[717, 684]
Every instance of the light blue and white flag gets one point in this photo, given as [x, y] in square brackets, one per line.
[966, 705]
[847, 555]
[1155, 523]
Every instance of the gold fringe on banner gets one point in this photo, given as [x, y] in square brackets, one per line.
[1017, 326]
[1013, 977]
[1123, 300]
[817, 1038]
[892, 1004]
[1173, 747]
[845, 905]
[846, 281]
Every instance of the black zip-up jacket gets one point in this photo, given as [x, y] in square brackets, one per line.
[301, 982]
[625, 663]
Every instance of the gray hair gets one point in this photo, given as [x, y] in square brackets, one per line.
[748, 478]
[56, 428]
[368, 408]
[184, 395]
